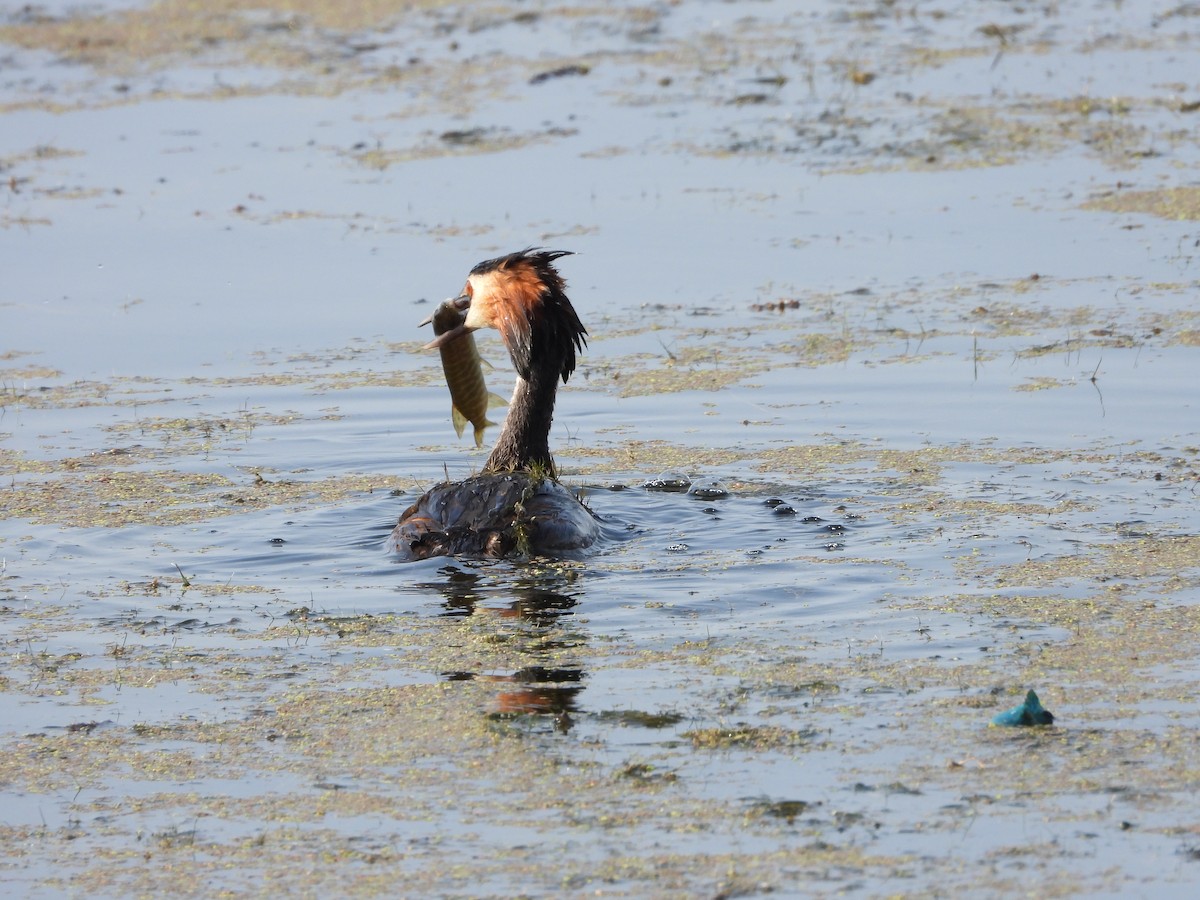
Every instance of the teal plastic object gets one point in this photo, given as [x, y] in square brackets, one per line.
[1030, 712]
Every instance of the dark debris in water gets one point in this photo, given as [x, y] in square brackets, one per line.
[559, 72]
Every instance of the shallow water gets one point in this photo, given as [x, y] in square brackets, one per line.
[911, 292]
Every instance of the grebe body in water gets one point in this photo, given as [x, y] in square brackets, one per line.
[516, 504]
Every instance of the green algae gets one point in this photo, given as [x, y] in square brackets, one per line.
[750, 737]
[1177, 203]
[113, 498]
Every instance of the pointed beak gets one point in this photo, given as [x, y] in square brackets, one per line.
[447, 336]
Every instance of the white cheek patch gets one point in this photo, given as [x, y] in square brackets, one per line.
[475, 318]
[483, 289]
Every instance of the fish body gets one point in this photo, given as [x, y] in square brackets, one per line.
[469, 397]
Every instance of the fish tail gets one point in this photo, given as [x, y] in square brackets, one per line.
[479, 431]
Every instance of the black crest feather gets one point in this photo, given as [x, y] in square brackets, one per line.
[555, 333]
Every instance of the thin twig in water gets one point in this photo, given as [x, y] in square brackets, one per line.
[924, 334]
[1096, 385]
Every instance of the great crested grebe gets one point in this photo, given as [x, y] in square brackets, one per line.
[516, 504]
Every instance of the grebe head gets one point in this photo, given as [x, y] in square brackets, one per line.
[523, 297]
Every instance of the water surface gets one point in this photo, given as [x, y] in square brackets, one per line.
[908, 296]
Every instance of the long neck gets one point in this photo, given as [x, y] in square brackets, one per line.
[525, 440]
